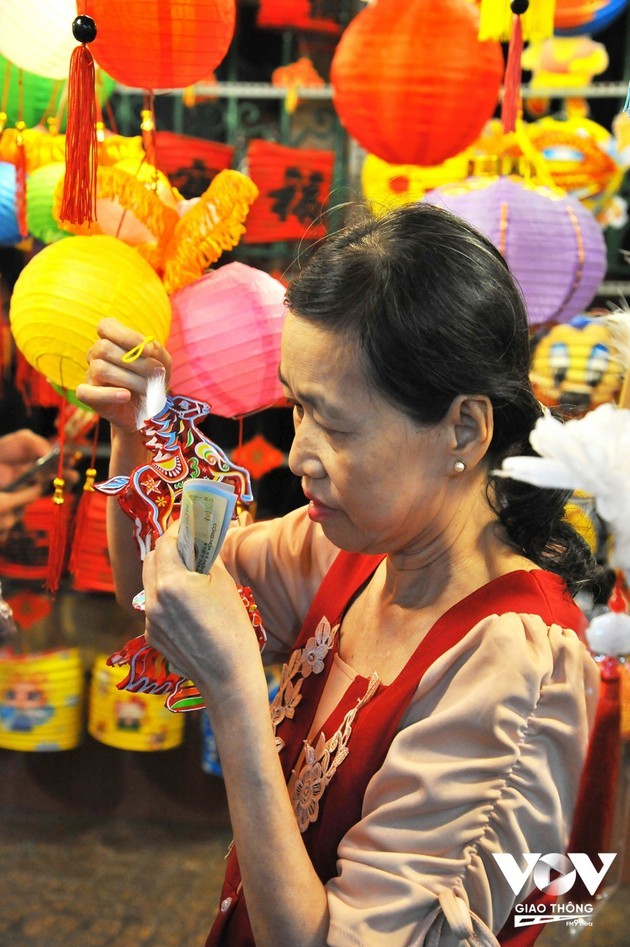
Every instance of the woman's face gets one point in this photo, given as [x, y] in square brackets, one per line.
[375, 481]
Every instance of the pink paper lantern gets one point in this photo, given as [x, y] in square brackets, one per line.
[552, 243]
[225, 339]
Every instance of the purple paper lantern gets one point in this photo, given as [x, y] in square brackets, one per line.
[552, 243]
[225, 339]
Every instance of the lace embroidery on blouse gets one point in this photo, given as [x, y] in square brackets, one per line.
[322, 760]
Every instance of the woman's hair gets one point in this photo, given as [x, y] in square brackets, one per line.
[435, 313]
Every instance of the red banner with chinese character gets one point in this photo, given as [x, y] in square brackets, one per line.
[294, 185]
[191, 163]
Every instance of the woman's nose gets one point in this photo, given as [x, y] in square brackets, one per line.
[303, 457]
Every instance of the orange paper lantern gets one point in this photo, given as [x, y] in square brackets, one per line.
[412, 83]
[156, 44]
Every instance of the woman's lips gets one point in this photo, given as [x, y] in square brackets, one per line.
[318, 511]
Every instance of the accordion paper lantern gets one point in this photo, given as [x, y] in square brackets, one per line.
[294, 186]
[156, 44]
[225, 339]
[411, 81]
[90, 564]
[191, 163]
[67, 288]
[9, 227]
[303, 15]
[553, 244]
[37, 35]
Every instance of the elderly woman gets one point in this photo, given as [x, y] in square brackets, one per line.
[436, 698]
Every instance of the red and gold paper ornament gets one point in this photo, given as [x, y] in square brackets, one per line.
[553, 244]
[294, 185]
[412, 83]
[258, 456]
[156, 44]
[225, 339]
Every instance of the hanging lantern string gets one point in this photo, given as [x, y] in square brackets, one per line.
[20, 163]
[511, 105]
[147, 128]
[5, 99]
[133, 354]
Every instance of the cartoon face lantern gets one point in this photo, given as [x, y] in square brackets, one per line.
[573, 366]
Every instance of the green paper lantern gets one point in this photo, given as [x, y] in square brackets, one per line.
[40, 188]
[40, 96]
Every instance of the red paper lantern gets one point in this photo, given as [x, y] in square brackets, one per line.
[294, 185]
[90, 563]
[157, 44]
[412, 83]
[300, 15]
[191, 163]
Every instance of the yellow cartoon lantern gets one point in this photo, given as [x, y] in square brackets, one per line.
[574, 366]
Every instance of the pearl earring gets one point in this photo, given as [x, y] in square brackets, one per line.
[459, 466]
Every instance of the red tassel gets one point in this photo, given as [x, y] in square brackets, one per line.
[512, 80]
[20, 180]
[78, 203]
[60, 527]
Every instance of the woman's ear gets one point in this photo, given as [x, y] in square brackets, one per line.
[472, 423]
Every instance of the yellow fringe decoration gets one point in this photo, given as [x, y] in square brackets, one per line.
[496, 18]
[213, 225]
[42, 147]
[139, 200]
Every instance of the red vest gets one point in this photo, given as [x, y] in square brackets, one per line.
[375, 726]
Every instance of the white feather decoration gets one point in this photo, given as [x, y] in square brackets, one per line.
[154, 398]
[592, 454]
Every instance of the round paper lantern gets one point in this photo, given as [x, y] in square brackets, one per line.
[40, 96]
[40, 188]
[67, 288]
[9, 229]
[577, 17]
[37, 35]
[225, 339]
[553, 244]
[156, 44]
[411, 81]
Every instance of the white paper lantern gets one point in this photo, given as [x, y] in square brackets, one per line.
[36, 35]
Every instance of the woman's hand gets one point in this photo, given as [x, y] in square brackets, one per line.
[18, 451]
[198, 622]
[115, 388]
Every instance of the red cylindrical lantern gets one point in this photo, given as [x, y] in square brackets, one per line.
[300, 15]
[412, 83]
[156, 44]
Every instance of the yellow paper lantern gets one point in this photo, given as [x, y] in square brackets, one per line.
[67, 288]
[386, 186]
